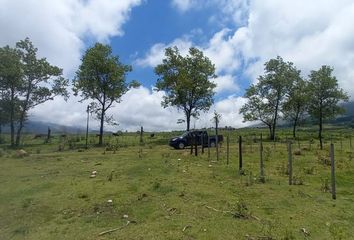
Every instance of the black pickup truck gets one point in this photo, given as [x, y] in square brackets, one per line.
[188, 138]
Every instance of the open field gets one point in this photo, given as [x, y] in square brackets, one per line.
[164, 193]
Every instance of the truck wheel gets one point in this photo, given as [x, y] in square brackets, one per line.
[212, 144]
[181, 145]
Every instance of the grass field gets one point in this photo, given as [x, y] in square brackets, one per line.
[160, 193]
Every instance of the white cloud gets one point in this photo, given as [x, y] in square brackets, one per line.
[139, 107]
[184, 5]
[228, 109]
[226, 83]
[310, 34]
[59, 28]
[157, 52]
[223, 52]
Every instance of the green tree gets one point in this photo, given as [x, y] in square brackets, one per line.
[265, 99]
[324, 97]
[11, 87]
[101, 78]
[186, 81]
[295, 106]
[41, 82]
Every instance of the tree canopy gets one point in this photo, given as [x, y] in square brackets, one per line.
[296, 103]
[265, 99]
[27, 81]
[186, 81]
[324, 97]
[101, 77]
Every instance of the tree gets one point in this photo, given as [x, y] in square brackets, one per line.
[296, 103]
[101, 78]
[324, 97]
[41, 82]
[11, 86]
[265, 99]
[186, 81]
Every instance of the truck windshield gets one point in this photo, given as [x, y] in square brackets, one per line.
[185, 134]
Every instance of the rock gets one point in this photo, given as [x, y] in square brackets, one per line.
[21, 153]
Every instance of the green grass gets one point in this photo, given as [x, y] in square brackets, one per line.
[50, 195]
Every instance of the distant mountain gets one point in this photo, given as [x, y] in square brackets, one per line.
[348, 117]
[38, 127]
[349, 108]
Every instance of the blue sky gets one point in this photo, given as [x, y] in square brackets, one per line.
[237, 35]
[160, 22]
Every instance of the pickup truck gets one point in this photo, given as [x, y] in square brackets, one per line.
[188, 138]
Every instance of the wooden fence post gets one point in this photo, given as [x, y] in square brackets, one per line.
[141, 134]
[48, 135]
[290, 164]
[240, 153]
[333, 176]
[261, 177]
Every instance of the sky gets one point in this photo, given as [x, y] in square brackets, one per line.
[239, 36]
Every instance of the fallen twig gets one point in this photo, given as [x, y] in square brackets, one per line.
[114, 229]
[216, 210]
[185, 228]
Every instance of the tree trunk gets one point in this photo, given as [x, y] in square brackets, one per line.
[296, 120]
[23, 114]
[20, 126]
[294, 127]
[188, 120]
[100, 142]
[18, 134]
[320, 131]
[271, 136]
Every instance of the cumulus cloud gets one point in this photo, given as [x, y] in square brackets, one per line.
[138, 107]
[184, 5]
[59, 28]
[229, 110]
[226, 83]
[310, 34]
[157, 52]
